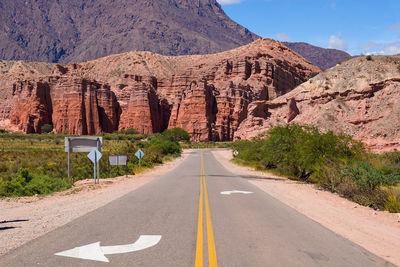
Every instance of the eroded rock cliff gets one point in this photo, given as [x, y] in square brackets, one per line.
[207, 95]
[360, 97]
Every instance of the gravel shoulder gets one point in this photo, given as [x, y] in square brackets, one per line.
[376, 231]
[26, 218]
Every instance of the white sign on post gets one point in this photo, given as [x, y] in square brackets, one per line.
[139, 154]
[81, 144]
[95, 156]
[118, 160]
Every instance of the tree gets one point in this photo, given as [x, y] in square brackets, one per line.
[176, 134]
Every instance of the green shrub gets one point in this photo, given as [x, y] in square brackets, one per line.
[27, 184]
[176, 135]
[248, 151]
[131, 131]
[47, 128]
[368, 178]
[302, 151]
[392, 204]
[369, 57]
[165, 146]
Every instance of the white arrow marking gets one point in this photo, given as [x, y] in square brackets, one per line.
[235, 192]
[95, 252]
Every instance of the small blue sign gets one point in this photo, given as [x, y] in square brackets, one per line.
[139, 154]
[94, 155]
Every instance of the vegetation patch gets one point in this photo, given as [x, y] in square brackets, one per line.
[37, 164]
[336, 162]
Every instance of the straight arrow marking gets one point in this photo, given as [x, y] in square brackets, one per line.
[235, 192]
[96, 253]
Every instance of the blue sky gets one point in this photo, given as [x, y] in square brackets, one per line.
[355, 26]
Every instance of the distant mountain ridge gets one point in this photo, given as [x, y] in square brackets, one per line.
[324, 58]
[75, 30]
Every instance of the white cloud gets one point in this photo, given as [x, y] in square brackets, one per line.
[370, 46]
[392, 48]
[337, 43]
[375, 53]
[283, 37]
[229, 2]
[373, 48]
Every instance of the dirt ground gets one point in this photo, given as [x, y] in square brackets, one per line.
[376, 231]
[23, 219]
[26, 218]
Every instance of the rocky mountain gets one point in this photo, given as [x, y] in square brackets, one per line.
[207, 95]
[360, 97]
[76, 30]
[324, 58]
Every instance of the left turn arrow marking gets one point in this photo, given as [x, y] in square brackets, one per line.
[96, 252]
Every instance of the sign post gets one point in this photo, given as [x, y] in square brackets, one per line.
[118, 160]
[95, 156]
[69, 159]
[81, 144]
[139, 154]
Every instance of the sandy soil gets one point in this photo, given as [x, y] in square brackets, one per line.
[26, 218]
[376, 231]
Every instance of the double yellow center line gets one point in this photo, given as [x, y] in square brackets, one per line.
[212, 256]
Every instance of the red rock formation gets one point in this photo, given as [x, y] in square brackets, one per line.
[207, 95]
[72, 105]
[33, 109]
[360, 98]
[196, 112]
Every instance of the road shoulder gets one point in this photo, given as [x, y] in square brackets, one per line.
[376, 231]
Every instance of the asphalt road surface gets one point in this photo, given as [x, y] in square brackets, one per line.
[184, 220]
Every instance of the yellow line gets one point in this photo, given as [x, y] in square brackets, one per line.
[199, 244]
[212, 254]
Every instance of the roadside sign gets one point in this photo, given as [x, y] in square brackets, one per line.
[81, 144]
[235, 153]
[117, 160]
[94, 155]
[139, 154]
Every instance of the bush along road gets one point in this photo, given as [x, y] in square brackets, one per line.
[335, 162]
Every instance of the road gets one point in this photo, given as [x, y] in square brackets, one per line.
[197, 225]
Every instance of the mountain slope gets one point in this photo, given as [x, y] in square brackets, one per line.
[75, 30]
[359, 97]
[324, 58]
